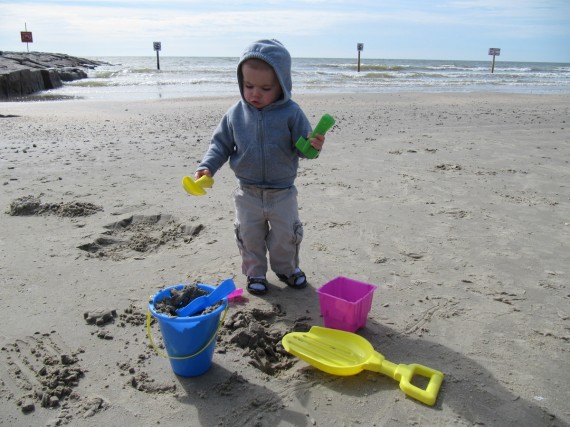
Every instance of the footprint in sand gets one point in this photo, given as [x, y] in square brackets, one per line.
[139, 234]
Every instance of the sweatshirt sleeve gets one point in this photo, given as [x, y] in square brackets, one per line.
[221, 147]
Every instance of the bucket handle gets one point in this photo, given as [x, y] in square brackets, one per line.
[160, 353]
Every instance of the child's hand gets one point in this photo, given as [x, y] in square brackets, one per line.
[202, 172]
[317, 142]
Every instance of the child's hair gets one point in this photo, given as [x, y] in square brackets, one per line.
[257, 64]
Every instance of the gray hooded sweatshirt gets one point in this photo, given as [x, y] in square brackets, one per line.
[260, 144]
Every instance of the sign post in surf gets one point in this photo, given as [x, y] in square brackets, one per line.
[157, 47]
[495, 51]
[359, 48]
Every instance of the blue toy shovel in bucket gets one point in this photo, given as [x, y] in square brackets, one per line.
[195, 306]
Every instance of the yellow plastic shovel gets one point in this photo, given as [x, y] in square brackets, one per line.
[196, 188]
[344, 353]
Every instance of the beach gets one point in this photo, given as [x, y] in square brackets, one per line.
[455, 205]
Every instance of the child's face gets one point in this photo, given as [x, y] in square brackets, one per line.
[260, 86]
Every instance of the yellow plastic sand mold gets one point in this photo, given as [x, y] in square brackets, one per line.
[196, 188]
[344, 353]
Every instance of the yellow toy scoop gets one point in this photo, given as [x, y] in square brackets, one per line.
[196, 188]
[344, 353]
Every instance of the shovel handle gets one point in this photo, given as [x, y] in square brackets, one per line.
[324, 125]
[205, 181]
[304, 145]
[405, 373]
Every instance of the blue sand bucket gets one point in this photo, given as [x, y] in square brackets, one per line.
[189, 341]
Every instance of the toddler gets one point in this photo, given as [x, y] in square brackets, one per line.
[257, 135]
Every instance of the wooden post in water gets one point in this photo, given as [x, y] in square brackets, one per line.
[157, 47]
[495, 51]
[359, 48]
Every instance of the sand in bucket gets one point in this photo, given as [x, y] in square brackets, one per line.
[189, 341]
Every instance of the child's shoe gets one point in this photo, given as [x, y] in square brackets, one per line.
[297, 280]
[257, 285]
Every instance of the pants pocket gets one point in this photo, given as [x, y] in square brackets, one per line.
[239, 240]
[297, 232]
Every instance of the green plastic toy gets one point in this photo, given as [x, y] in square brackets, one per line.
[305, 147]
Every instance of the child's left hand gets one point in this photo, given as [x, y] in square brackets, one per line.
[317, 142]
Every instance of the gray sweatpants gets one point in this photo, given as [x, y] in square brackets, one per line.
[267, 220]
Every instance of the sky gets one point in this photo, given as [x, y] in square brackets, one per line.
[524, 30]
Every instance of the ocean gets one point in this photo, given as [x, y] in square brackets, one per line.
[137, 78]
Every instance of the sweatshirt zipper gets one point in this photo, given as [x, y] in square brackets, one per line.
[261, 139]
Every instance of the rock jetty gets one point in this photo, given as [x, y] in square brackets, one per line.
[23, 73]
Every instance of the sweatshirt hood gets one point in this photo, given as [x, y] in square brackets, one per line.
[275, 54]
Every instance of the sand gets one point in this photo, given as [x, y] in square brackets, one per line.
[457, 206]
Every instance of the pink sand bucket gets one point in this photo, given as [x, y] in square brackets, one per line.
[345, 303]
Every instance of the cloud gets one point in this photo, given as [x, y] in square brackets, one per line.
[106, 20]
[223, 27]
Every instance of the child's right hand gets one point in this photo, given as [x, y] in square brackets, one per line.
[202, 172]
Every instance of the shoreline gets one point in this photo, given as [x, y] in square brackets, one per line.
[138, 79]
[297, 97]
[454, 205]
[43, 97]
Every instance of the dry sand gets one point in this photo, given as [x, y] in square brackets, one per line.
[456, 205]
